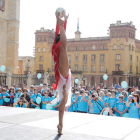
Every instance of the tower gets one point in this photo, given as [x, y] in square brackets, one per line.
[77, 33]
[9, 32]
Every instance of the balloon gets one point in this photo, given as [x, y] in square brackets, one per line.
[2, 68]
[15, 100]
[49, 107]
[39, 75]
[76, 81]
[38, 100]
[105, 77]
[41, 85]
[124, 84]
[59, 12]
[37, 107]
[6, 100]
[54, 102]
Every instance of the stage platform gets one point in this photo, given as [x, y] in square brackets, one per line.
[33, 124]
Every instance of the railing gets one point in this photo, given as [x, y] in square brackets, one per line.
[76, 72]
[117, 72]
[39, 71]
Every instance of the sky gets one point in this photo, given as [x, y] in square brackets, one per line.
[95, 17]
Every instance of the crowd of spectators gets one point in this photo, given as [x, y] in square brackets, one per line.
[111, 101]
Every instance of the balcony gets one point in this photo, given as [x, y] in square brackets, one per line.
[117, 72]
[76, 72]
[40, 71]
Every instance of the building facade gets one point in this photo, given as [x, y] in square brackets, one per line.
[116, 55]
[9, 34]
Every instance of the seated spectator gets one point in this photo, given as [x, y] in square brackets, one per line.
[4, 94]
[82, 99]
[26, 97]
[19, 93]
[20, 103]
[12, 95]
[45, 100]
[120, 106]
[33, 98]
[96, 101]
[107, 112]
[31, 91]
[112, 100]
[134, 106]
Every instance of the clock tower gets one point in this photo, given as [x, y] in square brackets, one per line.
[9, 34]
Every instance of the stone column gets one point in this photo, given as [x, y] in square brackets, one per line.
[45, 78]
[8, 78]
[29, 80]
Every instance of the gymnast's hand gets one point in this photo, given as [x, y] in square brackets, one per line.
[59, 20]
[66, 17]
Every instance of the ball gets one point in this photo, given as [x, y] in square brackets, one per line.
[60, 12]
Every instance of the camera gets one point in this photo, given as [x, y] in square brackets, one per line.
[93, 96]
[131, 97]
[21, 98]
[81, 92]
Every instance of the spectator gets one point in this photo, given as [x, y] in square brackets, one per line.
[26, 97]
[82, 101]
[44, 88]
[120, 106]
[112, 100]
[20, 103]
[5, 95]
[33, 98]
[102, 96]
[45, 100]
[106, 99]
[12, 95]
[50, 93]
[124, 93]
[31, 91]
[19, 93]
[96, 101]
[129, 91]
[134, 106]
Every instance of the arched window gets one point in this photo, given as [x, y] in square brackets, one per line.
[42, 38]
[93, 47]
[44, 49]
[115, 47]
[92, 81]
[121, 47]
[123, 33]
[118, 35]
[85, 48]
[132, 48]
[38, 39]
[38, 49]
[113, 34]
[102, 47]
[76, 58]
[114, 80]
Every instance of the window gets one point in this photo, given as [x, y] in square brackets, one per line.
[85, 48]
[130, 68]
[113, 34]
[69, 58]
[101, 79]
[93, 47]
[118, 56]
[132, 48]
[115, 47]
[123, 33]
[136, 69]
[102, 69]
[84, 58]
[38, 39]
[76, 48]
[44, 49]
[69, 48]
[42, 39]
[84, 68]
[69, 66]
[117, 67]
[92, 81]
[129, 47]
[102, 58]
[120, 80]
[114, 80]
[40, 58]
[121, 47]
[130, 59]
[40, 66]
[102, 47]
[118, 34]
[38, 49]
[76, 58]
[76, 67]
[52, 67]
[93, 68]
[137, 60]
[93, 58]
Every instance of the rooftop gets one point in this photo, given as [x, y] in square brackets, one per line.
[118, 23]
[45, 30]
